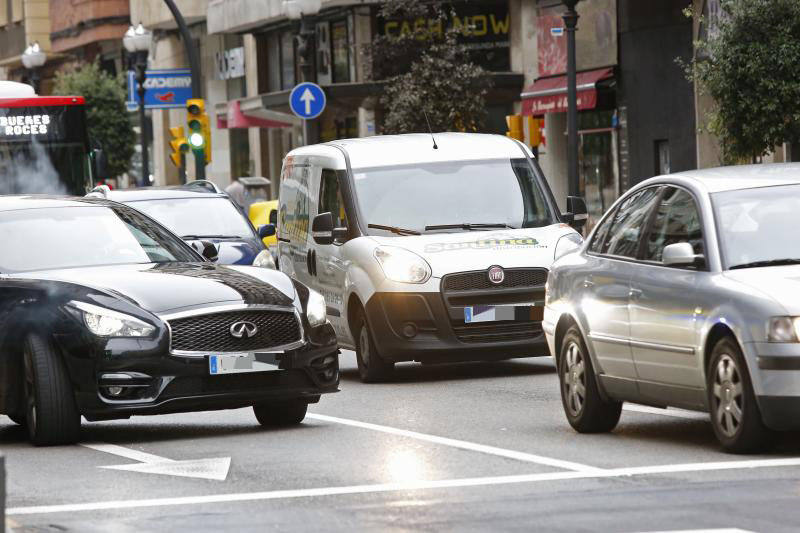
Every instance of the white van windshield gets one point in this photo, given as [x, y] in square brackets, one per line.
[451, 196]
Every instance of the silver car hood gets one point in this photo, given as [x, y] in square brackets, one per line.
[780, 283]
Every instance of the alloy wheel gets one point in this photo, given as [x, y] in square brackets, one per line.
[30, 391]
[363, 344]
[728, 396]
[574, 379]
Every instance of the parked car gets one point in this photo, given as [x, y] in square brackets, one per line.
[686, 294]
[107, 314]
[199, 211]
[430, 250]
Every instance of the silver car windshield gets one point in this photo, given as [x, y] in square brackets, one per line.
[473, 195]
[758, 227]
[197, 217]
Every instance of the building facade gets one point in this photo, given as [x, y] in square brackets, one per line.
[23, 22]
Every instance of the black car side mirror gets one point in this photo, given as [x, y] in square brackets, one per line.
[267, 230]
[208, 250]
[273, 217]
[322, 228]
[577, 214]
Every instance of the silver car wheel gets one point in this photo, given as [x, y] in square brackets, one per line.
[728, 394]
[363, 344]
[574, 379]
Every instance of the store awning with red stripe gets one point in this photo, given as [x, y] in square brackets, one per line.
[549, 95]
[250, 113]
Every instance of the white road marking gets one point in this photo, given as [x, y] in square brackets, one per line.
[399, 487]
[723, 530]
[216, 468]
[676, 413]
[464, 445]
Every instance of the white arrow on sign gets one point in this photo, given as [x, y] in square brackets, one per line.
[307, 97]
[216, 469]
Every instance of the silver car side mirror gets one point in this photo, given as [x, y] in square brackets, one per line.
[681, 254]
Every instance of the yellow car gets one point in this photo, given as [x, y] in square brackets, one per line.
[260, 214]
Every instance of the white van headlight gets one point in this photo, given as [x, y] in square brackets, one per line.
[264, 260]
[108, 323]
[566, 244]
[316, 311]
[401, 265]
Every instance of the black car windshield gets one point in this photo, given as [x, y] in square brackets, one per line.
[197, 217]
[462, 195]
[757, 227]
[69, 237]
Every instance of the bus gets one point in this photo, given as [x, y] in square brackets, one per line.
[44, 143]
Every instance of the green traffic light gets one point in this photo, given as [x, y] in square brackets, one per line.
[196, 140]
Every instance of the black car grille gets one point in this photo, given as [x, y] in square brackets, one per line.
[211, 333]
[514, 278]
[498, 331]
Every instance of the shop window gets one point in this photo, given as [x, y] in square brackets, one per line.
[340, 44]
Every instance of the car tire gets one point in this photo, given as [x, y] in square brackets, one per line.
[586, 410]
[279, 414]
[372, 368]
[52, 415]
[735, 416]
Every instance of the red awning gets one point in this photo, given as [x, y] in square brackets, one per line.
[234, 118]
[549, 95]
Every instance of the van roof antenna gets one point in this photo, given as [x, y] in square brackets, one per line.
[430, 130]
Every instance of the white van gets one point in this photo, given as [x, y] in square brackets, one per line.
[426, 249]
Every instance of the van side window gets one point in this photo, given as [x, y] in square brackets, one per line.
[330, 198]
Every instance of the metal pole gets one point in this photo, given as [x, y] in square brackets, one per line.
[194, 67]
[571, 23]
[305, 48]
[141, 75]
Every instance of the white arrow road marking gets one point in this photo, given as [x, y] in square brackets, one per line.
[307, 97]
[402, 487]
[216, 469]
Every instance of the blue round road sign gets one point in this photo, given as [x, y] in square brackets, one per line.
[307, 100]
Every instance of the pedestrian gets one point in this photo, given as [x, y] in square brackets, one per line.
[237, 193]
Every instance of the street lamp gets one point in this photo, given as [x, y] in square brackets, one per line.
[304, 11]
[137, 42]
[571, 23]
[33, 59]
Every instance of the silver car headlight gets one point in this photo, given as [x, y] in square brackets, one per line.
[264, 260]
[401, 265]
[108, 323]
[566, 244]
[783, 329]
[316, 311]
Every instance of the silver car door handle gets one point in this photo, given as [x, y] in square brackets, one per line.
[587, 283]
[635, 294]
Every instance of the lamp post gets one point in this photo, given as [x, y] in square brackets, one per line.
[571, 23]
[304, 11]
[33, 59]
[137, 42]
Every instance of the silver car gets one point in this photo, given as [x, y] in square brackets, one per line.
[686, 294]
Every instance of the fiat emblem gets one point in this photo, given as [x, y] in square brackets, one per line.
[496, 275]
[243, 330]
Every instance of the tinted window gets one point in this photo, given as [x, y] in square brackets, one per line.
[330, 198]
[600, 234]
[628, 224]
[676, 220]
[68, 237]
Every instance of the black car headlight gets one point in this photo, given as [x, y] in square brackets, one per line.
[105, 322]
[316, 310]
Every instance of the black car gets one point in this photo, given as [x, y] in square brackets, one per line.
[200, 211]
[104, 313]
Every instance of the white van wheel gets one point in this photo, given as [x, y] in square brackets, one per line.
[371, 367]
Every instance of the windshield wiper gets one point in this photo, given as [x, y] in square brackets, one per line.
[769, 262]
[468, 226]
[198, 237]
[393, 229]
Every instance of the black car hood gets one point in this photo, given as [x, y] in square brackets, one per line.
[168, 287]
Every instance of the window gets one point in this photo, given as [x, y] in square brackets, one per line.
[677, 220]
[662, 157]
[600, 235]
[330, 198]
[287, 60]
[273, 63]
[340, 43]
[629, 220]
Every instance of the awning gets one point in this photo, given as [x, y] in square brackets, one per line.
[251, 113]
[549, 95]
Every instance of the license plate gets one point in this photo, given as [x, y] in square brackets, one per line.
[502, 313]
[242, 363]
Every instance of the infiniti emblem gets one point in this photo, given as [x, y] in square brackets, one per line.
[243, 330]
[496, 275]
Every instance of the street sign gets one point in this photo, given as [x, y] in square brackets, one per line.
[307, 100]
[163, 89]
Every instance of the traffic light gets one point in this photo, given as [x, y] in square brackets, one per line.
[179, 144]
[515, 127]
[199, 128]
[535, 126]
